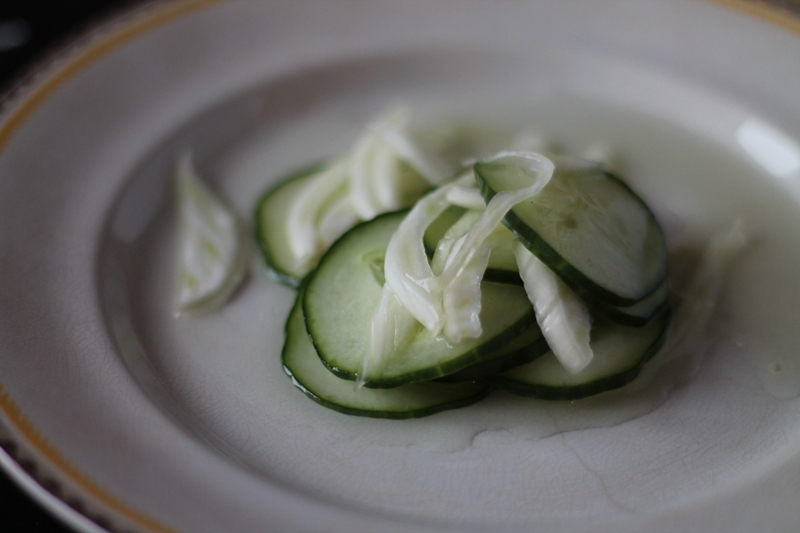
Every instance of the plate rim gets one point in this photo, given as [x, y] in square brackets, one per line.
[33, 463]
[25, 454]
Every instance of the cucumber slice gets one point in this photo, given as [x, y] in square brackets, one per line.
[619, 354]
[587, 226]
[271, 218]
[301, 363]
[344, 291]
[527, 347]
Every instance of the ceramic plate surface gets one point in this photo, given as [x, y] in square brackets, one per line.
[133, 420]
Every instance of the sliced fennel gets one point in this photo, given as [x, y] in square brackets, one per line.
[392, 328]
[393, 131]
[467, 197]
[383, 171]
[381, 177]
[527, 173]
[408, 273]
[453, 236]
[562, 316]
[409, 291]
[213, 247]
[449, 302]
[441, 235]
[304, 219]
[462, 296]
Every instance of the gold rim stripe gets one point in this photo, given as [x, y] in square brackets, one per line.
[764, 10]
[67, 469]
[93, 52]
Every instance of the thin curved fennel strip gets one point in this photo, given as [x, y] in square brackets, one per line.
[462, 296]
[305, 231]
[454, 239]
[391, 328]
[375, 176]
[213, 246]
[462, 302]
[467, 197]
[460, 279]
[383, 171]
[448, 302]
[562, 316]
[394, 131]
[408, 273]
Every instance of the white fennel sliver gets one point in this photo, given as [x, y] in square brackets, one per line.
[213, 248]
[562, 316]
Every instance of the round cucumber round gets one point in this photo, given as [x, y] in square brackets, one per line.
[343, 294]
[586, 225]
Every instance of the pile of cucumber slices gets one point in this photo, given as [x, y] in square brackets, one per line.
[543, 276]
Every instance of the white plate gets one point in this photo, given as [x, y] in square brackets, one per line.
[141, 422]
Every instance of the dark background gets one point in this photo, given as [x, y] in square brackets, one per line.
[29, 30]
